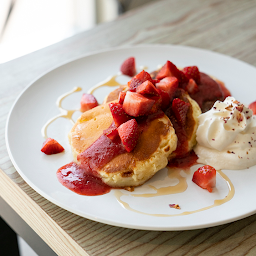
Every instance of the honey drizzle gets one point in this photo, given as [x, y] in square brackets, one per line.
[63, 112]
[110, 81]
[173, 190]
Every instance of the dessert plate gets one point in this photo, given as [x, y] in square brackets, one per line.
[37, 104]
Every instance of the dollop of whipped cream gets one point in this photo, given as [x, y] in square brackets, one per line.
[226, 136]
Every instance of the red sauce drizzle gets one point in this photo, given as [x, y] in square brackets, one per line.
[75, 178]
[185, 162]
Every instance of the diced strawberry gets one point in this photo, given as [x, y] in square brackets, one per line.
[129, 134]
[192, 87]
[111, 132]
[157, 105]
[136, 104]
[192, 72]
[139, 79]
[147, 88]
[180, 109]
[169, 69]
[183, 78]
[88, 101]
[165, 99]
[121, 97]
[128, 67]
[224, 89]
[252, 106]
[118, 113]
[169, 85]
[205, 177]
[51, 146]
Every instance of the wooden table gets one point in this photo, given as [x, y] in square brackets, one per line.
[228, 27]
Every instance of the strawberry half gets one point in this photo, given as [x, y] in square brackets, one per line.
[252, 106]
[136, 104]
[180, 109]
[192, 87]
[147, 88]
[169, 69]
[129, 134]
[88, 101]
[169, 85]
[118, 114]
[128, 67]
[205, 177]
[51, 146]
[139, 79]
[192, 72]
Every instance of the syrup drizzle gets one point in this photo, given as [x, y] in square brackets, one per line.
[110, 81]
[63, 112]
[179, 188]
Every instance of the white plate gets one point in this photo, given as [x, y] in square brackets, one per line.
[37, 104]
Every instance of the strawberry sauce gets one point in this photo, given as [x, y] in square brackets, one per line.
[185, 162]
[75, 178]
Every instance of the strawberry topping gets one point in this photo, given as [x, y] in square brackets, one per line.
[205, 177]
[129, 134]
[128, 67]
[147, 88]
[118, 113]
[121, 97]
[192, 72]
[88, 101]
[169, 85]
[180, 109]
[136, 104]
[169, 69]
[51, 146]
[192, 87]
[139, 79]
[111, 132]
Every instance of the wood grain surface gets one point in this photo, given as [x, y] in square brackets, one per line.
[228, 27]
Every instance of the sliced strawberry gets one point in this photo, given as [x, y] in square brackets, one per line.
[252, 106]
[111, 132]
[205, 177]
[165, 99]
[192, 72]
[136, 104]
[180, 109]
[118, 113]
[169, 69]
[121, 97]
[192, 87]
[169, 85]
[51, 146]
[88, 101]
[129, 134]
[139, 79]
[128, 67]
[147, 88]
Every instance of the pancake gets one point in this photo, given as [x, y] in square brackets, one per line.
[156, 142]
[191, 122]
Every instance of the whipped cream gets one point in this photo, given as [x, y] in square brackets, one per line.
[226, 136]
